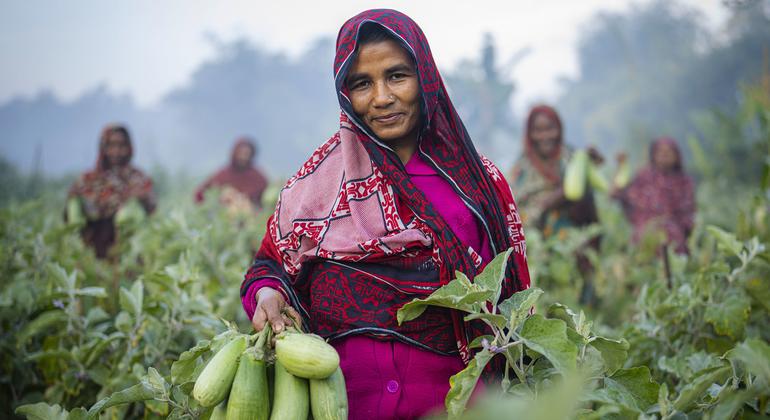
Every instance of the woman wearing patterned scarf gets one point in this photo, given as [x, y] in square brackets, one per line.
[661, 195]
[538, 177]
[383, 212]
[102, 191]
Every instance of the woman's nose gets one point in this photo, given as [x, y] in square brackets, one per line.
[383, 95]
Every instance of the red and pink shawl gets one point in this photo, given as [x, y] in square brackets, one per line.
[352, 208]
[663, 199]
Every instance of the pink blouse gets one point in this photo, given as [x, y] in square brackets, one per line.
[390, 379]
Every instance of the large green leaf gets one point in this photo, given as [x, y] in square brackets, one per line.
[458, 294]
[726, 240]
[759, 289]
[142, 391]
[694, 390]
[42, 411]
[45, 321]
[494, 273]
[614, 352]
[463, 383]
[497, 320]
[184, 368]
[549, 338]
[517, 307]
[755, 354]
[729, 316]
[132, 300]
[632, 389]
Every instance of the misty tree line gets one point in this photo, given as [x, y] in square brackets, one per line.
[651, 71]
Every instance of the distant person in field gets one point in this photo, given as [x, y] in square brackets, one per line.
[661, 196]
[538, 177]
[381, 213]
[240, 179]
[103, 191]
[538, 180]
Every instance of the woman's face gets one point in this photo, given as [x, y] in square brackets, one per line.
[243, 155]
[385, 92]
[117, 149]
[665, 157]
[544, 134]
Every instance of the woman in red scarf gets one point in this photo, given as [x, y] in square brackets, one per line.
[661, 196]
[240, 174]
[104, 190]
[538, 177]
[385, 211]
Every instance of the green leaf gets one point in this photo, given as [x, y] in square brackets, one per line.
[759, 289]
[156, 381]
[463, 383]
[132, 301]
[755, 354]
[517, 307]
[632, 389]
[729, 404]
[476, 343]
[128, 303]
[63, 280]
[614, 352]
[496, 320]
[139, 392]
[137, 290]
[549, 338]
[494, 273]
[42, 411]
[726, 241]
[183, 369]
[458, 294]
[78, 414]
[91, 291]
[694, 390]
[43, 322]
[729, 316]
[560, 311]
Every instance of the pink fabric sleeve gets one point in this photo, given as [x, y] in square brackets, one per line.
[249, 300]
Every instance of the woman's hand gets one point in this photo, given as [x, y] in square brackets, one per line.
[272, 308]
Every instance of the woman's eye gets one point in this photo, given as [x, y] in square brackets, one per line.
[397, 76]
[360, 85]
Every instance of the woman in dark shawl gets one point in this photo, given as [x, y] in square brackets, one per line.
[661, 196]
[103, 191]
[384, 212]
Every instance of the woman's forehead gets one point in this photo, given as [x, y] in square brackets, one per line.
[381, 54]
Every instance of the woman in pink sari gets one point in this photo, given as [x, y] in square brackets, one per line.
[384, 212]
[661, 196]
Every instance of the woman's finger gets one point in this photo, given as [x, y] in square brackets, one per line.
[259, 319]
[274, 317]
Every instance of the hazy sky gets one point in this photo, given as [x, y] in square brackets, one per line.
[145, 47]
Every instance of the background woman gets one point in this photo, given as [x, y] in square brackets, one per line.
[385, 211]
[102, 191]
[538, 179]
[240, 175]
[661, 195]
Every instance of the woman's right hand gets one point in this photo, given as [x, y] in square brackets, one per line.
[272, 308]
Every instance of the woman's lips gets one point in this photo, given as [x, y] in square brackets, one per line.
[388, 119]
